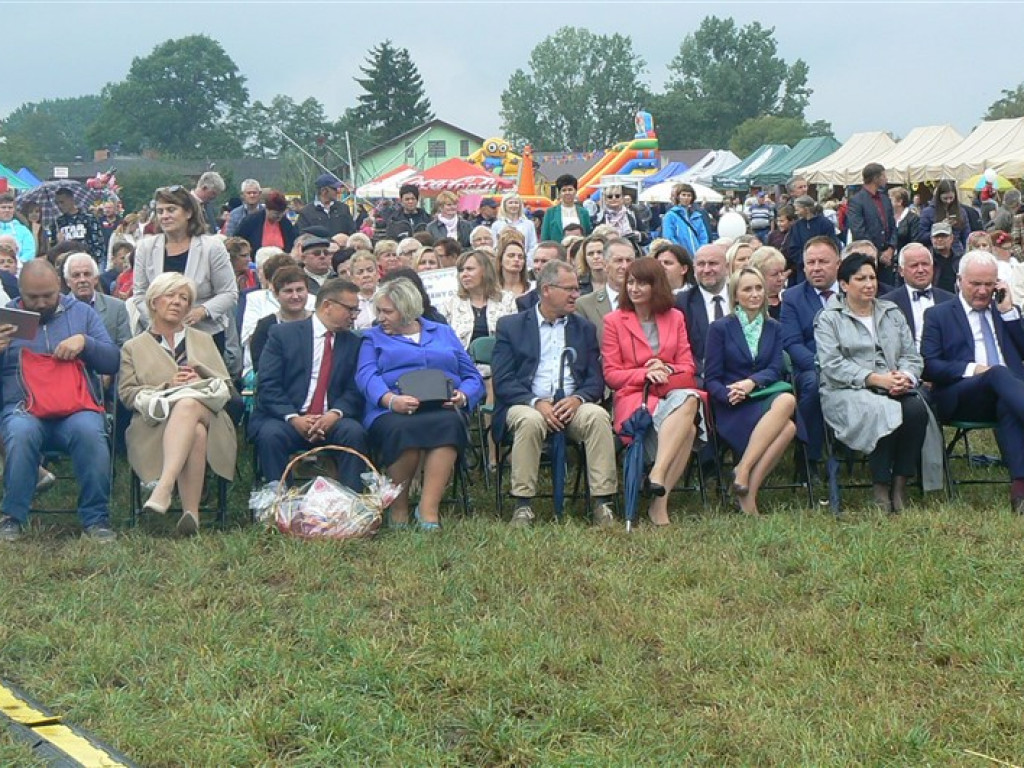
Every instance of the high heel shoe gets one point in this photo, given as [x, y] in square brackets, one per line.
[188, 525]
[653, 490]
[427, 526]
[152, 505]
[737, 489]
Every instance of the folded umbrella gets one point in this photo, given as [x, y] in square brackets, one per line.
[635, 428]
[556, 440]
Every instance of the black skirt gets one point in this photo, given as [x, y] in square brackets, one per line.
[394, 433]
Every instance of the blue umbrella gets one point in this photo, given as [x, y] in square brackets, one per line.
[635, 427]
[556, 441]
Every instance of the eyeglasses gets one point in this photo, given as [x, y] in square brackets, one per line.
[352, 308]
[567, 288]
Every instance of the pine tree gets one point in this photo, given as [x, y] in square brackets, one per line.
[394, 100]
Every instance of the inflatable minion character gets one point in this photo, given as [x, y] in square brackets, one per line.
[496, 157]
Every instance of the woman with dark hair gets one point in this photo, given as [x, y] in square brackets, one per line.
[744, 354]
[183, 246]
[270, 226]
[678, 265]
[945, 206]
[33, 214]
[870, 368]
[567, 212]
[683, 224]
[645, 345]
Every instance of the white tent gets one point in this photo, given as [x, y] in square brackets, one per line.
[990, 141]
[844, 166]
[662, 193]
[386, 185]
[917, 147]
[712, 163]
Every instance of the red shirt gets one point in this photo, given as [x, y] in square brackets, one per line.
[272, 234]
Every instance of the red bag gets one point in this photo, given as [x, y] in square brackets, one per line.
[55, 389]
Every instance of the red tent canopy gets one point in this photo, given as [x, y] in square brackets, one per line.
[456, 175]
[393, 172]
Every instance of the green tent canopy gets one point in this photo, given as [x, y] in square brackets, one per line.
[13, 182]
[780, 169]
[736, 177]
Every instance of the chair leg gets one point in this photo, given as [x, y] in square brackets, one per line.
[222, 503]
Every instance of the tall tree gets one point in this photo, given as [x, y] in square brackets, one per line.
[306, 124]
[393, 100]
[722, 76]
[53, 129]
[582, 92]
[184, 99]
[771, 129]
[1010, 104]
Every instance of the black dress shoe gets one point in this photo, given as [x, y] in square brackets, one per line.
[737, 489]
[653, 490]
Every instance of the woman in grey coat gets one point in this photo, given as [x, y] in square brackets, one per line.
[869, 370]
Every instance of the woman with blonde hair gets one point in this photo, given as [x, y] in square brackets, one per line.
[510, 263]
[738, 255]
[447, 222]
[388, 254]
[473, 312]
[364, 273]
[426, 260]
[590, 265]
[512, 215]
[198, 430]
[772, 264]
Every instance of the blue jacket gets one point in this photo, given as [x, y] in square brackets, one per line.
[927, 218]
[675, 228]
[101, 355]
[21, 233]
[383, 359]
[286, 367]
[517, 355]
[800, 305]
[802, 231]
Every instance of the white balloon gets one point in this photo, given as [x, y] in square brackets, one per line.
[732, 225]
[991, 175]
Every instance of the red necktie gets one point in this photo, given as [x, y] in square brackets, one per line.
[316, 408]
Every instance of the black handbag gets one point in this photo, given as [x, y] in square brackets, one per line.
[430, 386]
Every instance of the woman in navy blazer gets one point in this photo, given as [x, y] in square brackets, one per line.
[403, 433]
[743, 354]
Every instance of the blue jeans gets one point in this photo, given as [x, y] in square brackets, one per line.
[82, 436]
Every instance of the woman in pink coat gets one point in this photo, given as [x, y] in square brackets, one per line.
[645, 343]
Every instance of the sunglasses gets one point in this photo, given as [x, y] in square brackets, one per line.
[172, 189]
[614, 197]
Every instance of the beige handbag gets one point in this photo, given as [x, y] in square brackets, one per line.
[155, 404]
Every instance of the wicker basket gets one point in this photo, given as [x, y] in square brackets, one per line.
[361, 522]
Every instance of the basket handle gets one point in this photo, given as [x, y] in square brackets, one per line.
[314, 452]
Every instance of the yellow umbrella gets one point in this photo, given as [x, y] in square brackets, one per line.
[978, 182]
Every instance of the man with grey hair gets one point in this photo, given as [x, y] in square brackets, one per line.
[797, 187]
[618, 255]
[1003, 218]
[307, 391]
[526, 367]
[972, 350]
[917, 294]
[209, 186]
[251, 192]
[82, 277]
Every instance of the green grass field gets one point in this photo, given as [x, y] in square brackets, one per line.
[792, 639]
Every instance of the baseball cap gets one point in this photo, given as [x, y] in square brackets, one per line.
[941, 228]
[328, 180]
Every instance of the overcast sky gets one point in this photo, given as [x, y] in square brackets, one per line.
[883, 66]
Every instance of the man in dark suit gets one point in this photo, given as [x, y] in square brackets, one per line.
[618, 255]
[707, 301]
[525, 370]
[972, 355]
[869, 216]
[917, 294]
[800, 305]
[545, 251]
[296, 406]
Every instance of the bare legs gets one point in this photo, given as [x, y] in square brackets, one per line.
[437, 469]
[184, 448]
[769, 440]
[675, 443]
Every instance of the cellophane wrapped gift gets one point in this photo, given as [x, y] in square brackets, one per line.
[325, 509]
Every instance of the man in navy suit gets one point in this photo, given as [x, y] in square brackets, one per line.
[546, 251]
[972, 355]
[917, 294]
[707, 301]
[800, 305]
[869, 216]
[525, 371]
[296, 406]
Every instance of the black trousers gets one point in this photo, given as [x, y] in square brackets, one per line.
[899, 452]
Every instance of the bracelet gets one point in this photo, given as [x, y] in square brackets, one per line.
[391, 402]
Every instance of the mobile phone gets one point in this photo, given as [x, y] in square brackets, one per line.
[1000, 295]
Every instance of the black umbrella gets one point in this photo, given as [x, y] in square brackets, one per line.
[635, 427]
[556, 441]
[44, 196]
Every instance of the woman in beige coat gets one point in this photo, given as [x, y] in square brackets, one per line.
[198, 430]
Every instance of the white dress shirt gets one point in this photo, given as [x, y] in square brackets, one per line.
[319, 332]
[709, 301]
[974, 320]
[918, 307]
[552, 344]
[613, 297]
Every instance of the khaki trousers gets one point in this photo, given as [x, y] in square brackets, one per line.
[591, 426]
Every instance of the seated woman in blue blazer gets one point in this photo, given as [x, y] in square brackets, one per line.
[744, 354]
[403, 433]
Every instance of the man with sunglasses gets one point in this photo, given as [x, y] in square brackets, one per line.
[307, 391]
[316, 260]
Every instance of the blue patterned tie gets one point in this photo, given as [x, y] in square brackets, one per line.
[991, 350]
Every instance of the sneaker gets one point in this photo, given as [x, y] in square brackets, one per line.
[522, 517]
[101, 533]
[604, 514]
[10, 529]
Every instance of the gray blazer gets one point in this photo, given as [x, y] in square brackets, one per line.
[114, 315]
[594, 306]
[846, 355]
[208, 265]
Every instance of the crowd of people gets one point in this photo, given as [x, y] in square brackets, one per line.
[874, 325]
